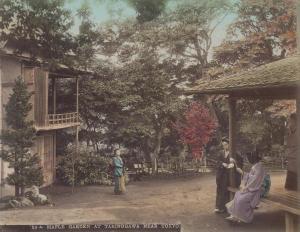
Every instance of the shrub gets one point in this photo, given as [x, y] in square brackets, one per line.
[90, 168]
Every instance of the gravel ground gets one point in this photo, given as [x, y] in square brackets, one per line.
[189, 201]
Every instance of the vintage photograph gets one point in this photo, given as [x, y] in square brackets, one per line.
[150, 115]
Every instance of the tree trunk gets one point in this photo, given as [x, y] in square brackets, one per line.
[17, 192]
[154, 163]
[156, 151]
[22, 191]
[212, 110]
[17, 188]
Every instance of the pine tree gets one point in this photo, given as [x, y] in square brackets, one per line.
[19, 139]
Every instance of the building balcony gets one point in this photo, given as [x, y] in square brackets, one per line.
[59, 121]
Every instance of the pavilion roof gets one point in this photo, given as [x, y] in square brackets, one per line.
[280, 74]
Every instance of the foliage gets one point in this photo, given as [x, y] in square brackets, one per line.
[258, 126]
[188, 33]
[148, 10]
[263, 31]
[90, 168]
[134, 101]
[86, 40]
[197, 129]
[39, 27]
[181, 36]
[18, 140]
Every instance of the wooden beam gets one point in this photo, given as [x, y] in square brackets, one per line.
[232, 136]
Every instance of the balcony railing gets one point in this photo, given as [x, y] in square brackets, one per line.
[67, 118]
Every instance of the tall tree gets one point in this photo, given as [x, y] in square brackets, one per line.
[188, 30]
[39, 27]
[86, 40]
[181, 35]
[156, 101]
[18, 140]
[263, 31]
[148, 10]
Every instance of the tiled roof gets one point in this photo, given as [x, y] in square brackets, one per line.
[280, 73]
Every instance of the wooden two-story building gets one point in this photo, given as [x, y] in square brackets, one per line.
[42, 82]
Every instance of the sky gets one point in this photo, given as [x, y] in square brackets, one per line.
[105, 10]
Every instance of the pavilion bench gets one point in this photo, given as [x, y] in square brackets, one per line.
[288, 201]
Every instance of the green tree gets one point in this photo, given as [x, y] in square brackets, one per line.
[39, 27]
[156, 101]
[87, 39]
[148, 10]
[263, 31]
[18, 140]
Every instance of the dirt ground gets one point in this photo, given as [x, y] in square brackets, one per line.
[189, 201]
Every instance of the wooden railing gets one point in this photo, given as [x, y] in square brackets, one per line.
[67, 118]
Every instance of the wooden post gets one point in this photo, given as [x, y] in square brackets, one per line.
[77, 133]
[54, 155]
[54, 95]
[298, 26]
[298, 97]
[77, 98]
[232, 138]
[291, 222]
[1, 160]
[298, 136]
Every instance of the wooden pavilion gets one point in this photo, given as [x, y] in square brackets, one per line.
[277, 80]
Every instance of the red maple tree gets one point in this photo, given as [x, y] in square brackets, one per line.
[197, 128]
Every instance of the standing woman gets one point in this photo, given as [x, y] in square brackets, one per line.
[241, 208]
[118, 166]
[222, 177]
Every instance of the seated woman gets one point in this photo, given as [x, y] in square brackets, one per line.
[241, 208]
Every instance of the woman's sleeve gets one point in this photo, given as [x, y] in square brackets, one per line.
[255, 181]
[245, 177]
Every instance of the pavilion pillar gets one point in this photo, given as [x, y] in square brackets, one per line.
[298, 136]
[232, 138]
[298, 97]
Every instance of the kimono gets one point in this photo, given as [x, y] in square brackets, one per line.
[244, 202]
[118, 174]
[222, 181]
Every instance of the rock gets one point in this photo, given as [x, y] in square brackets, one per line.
[14, 204]
[21, 202]
[37, 198]
[25, 202]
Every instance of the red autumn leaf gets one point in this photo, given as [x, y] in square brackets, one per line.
[197, 128]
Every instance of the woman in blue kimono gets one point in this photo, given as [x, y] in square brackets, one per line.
[118, 166]
[241, 208]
